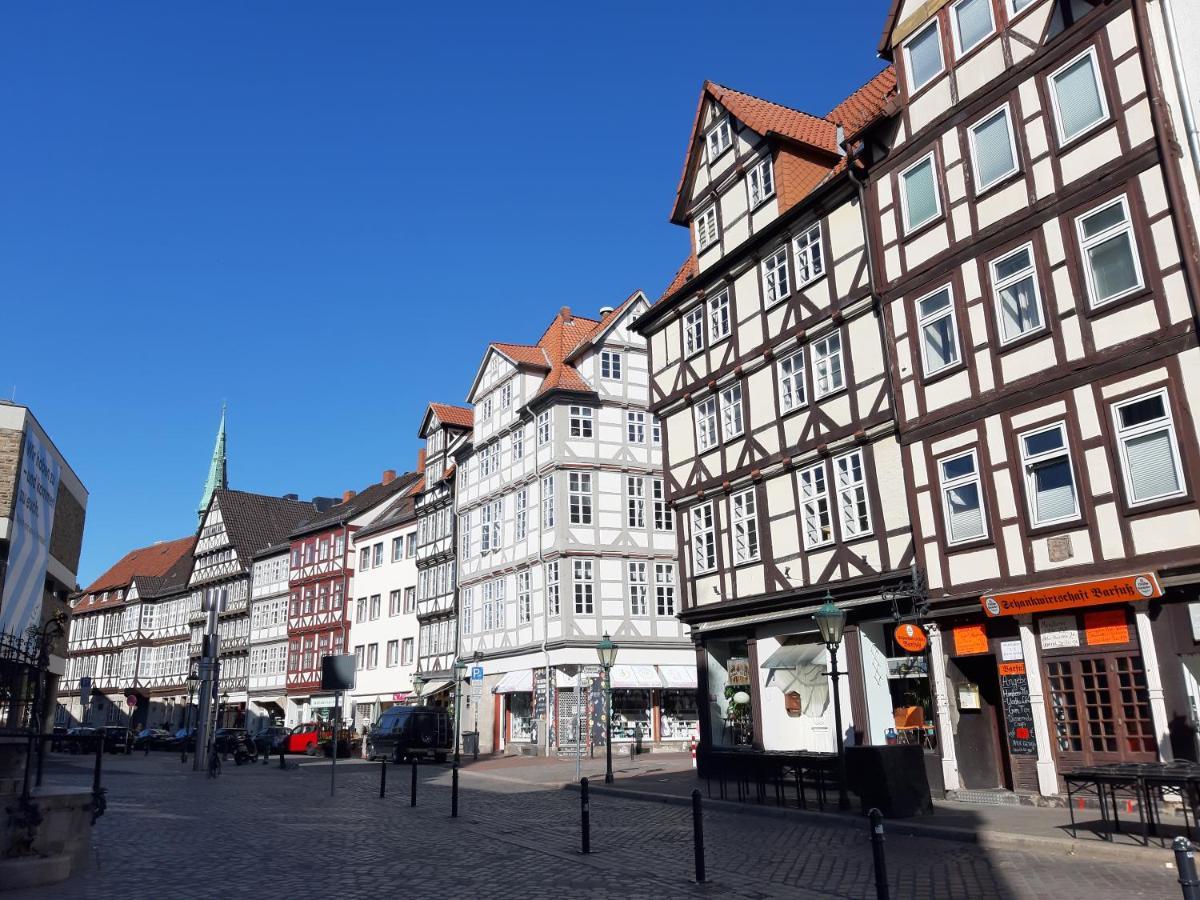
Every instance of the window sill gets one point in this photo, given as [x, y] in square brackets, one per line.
[1061, 146]
[1051, 528]
[1017, 174]
[814, 280]
[1154, 506]
[755, 207]
[1023, 340]
[1136, 296]
[944, 373]
[915, 92]
[978, 543]
[823, 397]
[700, 251]
[961, 56]
[921, 229]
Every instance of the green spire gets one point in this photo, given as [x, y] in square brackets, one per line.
[216, 469]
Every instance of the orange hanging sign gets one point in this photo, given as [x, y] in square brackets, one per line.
[970, 640]
[1107, 626]
[1124, 589]
[911, 637]
[1012, 668]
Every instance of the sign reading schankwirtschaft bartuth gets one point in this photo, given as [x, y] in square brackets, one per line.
[1123, 589]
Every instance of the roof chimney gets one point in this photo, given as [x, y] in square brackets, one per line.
[421, 460]
[347, 496]
[389, 475]
[605, 310]
[565, 314]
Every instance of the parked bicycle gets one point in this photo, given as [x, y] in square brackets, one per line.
[214, 763]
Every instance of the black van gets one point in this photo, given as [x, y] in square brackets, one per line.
[405, 732]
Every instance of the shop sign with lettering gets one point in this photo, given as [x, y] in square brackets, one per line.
[970, 640]
[1056, 632]
[911, 637]
[1124, 589]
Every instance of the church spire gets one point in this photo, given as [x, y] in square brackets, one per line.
[216, 469]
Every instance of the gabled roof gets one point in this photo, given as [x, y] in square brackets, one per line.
[154, 561]
[523, 355]
[363, 501]
[685, 274]
[607, 321]
[447, 414]
[255, 521]
[866, 104]
[401, 511]
[174, 581]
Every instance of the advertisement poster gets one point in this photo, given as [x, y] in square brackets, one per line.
[29, 539]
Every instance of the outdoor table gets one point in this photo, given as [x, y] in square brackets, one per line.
[1144, 781]
[750, 767]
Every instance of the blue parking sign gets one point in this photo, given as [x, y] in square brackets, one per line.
[476, 674]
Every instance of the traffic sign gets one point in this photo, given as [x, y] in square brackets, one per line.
[476, 674]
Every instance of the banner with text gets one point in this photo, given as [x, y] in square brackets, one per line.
[29, 536]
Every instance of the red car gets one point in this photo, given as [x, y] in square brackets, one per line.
[301, 739]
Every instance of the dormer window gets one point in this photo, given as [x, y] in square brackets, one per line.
[720, 138]
[706, 228]
[762, 183]
[972, 23]
[923, 56]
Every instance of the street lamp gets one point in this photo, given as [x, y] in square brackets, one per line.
[418, 683]
[832, 621]
[460, 666]
[224, 705]
[192, 681]
[607, 651]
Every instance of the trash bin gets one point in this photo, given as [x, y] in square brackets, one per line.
[471, 743]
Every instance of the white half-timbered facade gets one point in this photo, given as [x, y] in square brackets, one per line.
[267, 677]
[1038, 272]
[565, 535]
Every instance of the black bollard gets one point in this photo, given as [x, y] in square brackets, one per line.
[881, 884]
[412, 797]
[454, 791]
[96, 772]
[282, 761]
[585, 812]
[698, 836]
[382, 778]
[1186, 864]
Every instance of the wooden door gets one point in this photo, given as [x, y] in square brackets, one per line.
[1100, 710]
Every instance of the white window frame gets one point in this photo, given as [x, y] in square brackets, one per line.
[545, 428]
[913, 87]
[761, 182]
[706, 424]
[708, 231]
[579, 498]
[1051, 84]
[635, 495]
[1005, 111]
[655, 431]
[664, 589]
[579, 420]
[959, 49]
[639, 587]
[521, 514]
[930, 158]
[611, 365]
[1029, 463]
[518, 444]
[635, 426]
[999, 284]
[791, 382]
[817, 505]
[693, 330]
[547, 502]
[733, 411]
[553, 597]
[583, 587]
[1122, 434]
[802, 249]
[743, 519]
[664, 516]
[1111, 232]
[704, 537]
[524, 598]
[823, 362]
[922, 321]
[506, 394]
[719, 321]
[723, 129]
[772, 266]
[860, 489]
[949, 484]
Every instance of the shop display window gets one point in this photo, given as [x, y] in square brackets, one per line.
[522, 723]
[912, 697]
[730, 707]
[680, 716]
[632, 711]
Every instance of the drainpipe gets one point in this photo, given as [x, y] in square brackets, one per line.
[537, 479]
[1185, 100]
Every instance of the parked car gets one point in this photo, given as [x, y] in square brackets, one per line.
[409, 732]
[183, 739]
[266, 738]
[301, 739]
[156, 738]
[225, 739]
[117, 739]
[81, 739]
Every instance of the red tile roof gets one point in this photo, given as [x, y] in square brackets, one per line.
[524, 355]
[154, 561]
[453, 415]
[866, 104]
[766, 117]
[685, 274]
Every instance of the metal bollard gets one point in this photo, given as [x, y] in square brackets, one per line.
[382, 778]
[698, 836]
[412, 796]
[585, 811]
[1186, 864]
[881, 883]
[454, 791]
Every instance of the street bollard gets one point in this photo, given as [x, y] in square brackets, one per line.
[585, 811]
[382, 778]
[412, 796]
[1186, 864]
[99, 802]
[881, 883]
[454, 791]
[698, 836]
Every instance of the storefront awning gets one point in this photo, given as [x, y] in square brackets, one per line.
[802, 612]
[264, 702]
[519, 682]
[434, 687]
[635, 677]
[678, 678]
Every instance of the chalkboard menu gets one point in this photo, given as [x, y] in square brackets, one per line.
[1018, 715]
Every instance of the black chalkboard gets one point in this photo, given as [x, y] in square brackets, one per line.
[1018, 715]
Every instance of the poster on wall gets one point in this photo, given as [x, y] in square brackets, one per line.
[1018, 713]
[1108, 626]
[595, 709]
[970, 640]
[29, 536]
[1056, 632]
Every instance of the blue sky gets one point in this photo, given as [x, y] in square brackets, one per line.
[322, 212]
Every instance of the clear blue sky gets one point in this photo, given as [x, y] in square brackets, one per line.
[322, 212]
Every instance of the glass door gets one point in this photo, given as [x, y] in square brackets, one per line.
[1100, 710]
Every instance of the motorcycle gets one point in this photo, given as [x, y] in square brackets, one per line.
[244, 750]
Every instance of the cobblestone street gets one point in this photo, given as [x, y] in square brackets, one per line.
[258, 831]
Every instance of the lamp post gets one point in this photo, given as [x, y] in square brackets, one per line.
[224, 705]
[192, 681]
[418, 683]
[832, 621]
[460, 666]
[607, 651]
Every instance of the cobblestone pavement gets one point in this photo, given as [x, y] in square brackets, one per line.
[258, 831]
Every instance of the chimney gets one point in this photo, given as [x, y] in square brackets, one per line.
[347, 496]
[421, 460]
[605, 310]
[291, 496]
[389, 475]
[565, 314]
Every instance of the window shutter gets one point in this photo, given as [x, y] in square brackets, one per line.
[1054, 490]
[1078, 93]
[924, 56]
[966, 513]
[974, 22]
[993, 149]
[1152, 470]
[919, 194]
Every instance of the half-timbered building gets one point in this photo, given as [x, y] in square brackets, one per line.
[565, 535]
[445, 429]
[1038, 272]
[320, 577]
[267, 678]
[768, 370]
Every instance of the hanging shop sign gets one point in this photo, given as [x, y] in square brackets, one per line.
[1123, 589]
[970, 640]
[911, 637]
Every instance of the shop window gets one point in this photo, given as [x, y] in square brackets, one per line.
[730, 711]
